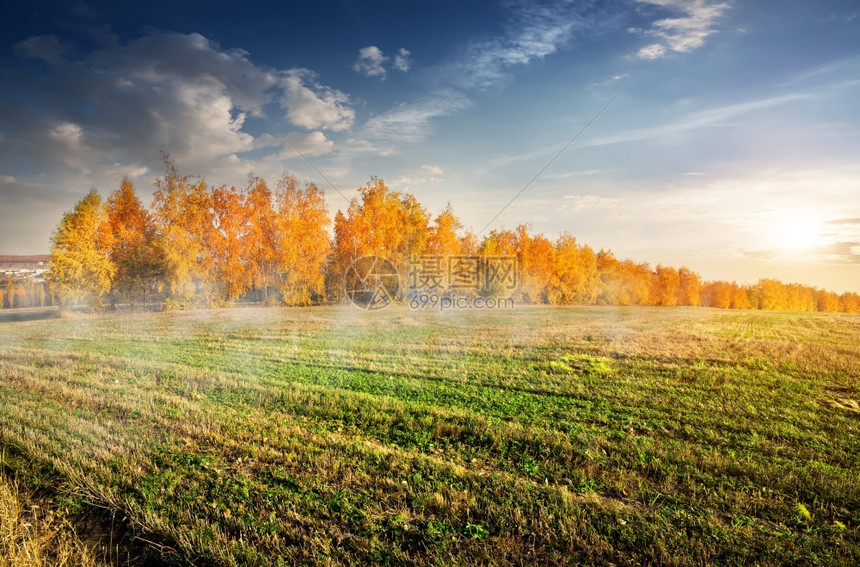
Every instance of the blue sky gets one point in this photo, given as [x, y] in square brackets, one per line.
[735, 150]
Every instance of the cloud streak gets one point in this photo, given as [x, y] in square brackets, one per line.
[701, 119]
[694, 22]
[534, 31]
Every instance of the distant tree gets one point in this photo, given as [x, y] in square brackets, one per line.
[623, 283]
[134, 249]
[183, 218]
[740, 298]
[850, 302]
[21, 296]
[689, 285]
[443, 237]
[262, 238]
[10, 293]
[344, 251]
[772, 294]
[382, 222]
[41, 297]
[536, 264]
[575, 276]
[667, 284]
[80, 264]
[469, 243]
[302, 244]
[227, 240]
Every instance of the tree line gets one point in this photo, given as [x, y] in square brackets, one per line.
[201, 246]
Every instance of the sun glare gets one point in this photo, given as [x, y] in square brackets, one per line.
[793, 231]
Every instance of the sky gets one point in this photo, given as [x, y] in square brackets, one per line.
[730, 143]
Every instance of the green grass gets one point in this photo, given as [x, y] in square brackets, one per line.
[538, 435]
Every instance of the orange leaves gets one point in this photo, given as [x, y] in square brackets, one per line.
[223, 244]
[443, 238]
[227, 240]
[302, 242]
[181, 213]
[386, 223]
[133, 245]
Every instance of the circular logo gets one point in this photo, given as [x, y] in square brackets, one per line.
[371, 282]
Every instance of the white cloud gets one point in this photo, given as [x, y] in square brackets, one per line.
[423, 175]
[402, 61]
[310, 144]
[412, 121]
[67, 133]
[653, 51]
[312, 105]
[535, 33]
[686, 32]
[370, 61]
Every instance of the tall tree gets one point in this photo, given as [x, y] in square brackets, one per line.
[226, 242]
[262, 237]
[134, 249]
[80, 264]
[689, 286]
[384, 223]
[575, 272]
[536, 265]
[443, 237]
[667, 284]
[303, 242]
[183, 219]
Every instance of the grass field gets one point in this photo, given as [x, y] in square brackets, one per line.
[539, 435]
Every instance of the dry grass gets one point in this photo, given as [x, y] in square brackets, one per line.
[32, 534]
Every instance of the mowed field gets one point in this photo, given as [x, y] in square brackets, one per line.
[539, 435]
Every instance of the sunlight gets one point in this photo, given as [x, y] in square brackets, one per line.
[792, 231]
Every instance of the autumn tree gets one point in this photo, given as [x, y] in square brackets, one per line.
[226, 240]
[262, 238]
[666, 285]
[502, 242]
[772, 294]
[183, 219]
[134, 249]
[382, 222]
[689, 286]
[536, 265]
[575, 273]
[443, 238]
[80, 264]
[302, 243]
[622, 282]
[850, 302]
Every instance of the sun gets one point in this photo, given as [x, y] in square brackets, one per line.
[793, 231]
